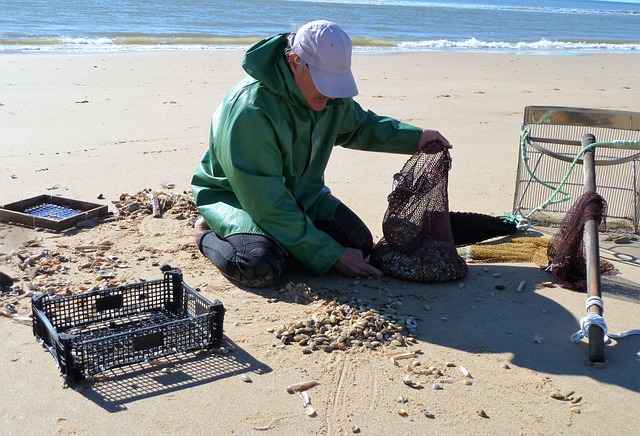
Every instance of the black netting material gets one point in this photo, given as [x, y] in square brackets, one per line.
[418, 243]
[566, 252]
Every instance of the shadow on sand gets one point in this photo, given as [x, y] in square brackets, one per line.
[475, 316]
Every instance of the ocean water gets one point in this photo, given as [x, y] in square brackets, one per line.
[525, 27]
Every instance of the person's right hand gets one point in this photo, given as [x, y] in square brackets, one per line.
[432, 142]
[352, 264]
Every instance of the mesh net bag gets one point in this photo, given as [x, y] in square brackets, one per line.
[566, 252]
[418, 243]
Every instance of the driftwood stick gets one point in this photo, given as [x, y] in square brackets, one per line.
[397, 357]
[92, 247]
[301, 386]
[155, 203]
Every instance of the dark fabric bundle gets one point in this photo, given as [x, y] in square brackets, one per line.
[418, 243]
[470, 228]
[566, 250]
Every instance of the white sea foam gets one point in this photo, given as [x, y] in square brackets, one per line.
[542, 45]
[136, 43]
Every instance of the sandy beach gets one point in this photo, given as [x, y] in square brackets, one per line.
[93, 127]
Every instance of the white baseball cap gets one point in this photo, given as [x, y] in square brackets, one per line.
[326, 49]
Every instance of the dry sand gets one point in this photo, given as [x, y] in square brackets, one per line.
[81, 126]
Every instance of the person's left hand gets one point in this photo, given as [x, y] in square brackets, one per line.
[428, 145]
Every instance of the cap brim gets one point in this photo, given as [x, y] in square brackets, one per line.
[334, 85]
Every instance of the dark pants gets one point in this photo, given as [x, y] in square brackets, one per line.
[257, 261]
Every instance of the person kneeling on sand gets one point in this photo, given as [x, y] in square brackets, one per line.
[260, 184]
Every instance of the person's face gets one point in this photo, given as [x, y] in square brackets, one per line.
[303, 79]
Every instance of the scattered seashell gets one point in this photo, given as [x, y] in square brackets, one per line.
[306, 402]
[537, 338]
[403, 412]
[482, 413]
[436, 387]
[310, 411]
[558, 396]
[105, 274]
[407, 381]
[575, 409]
[450, 365]
[520, 287]
[468, 382]
[245, 378]
[464, 372]
[355, 429]
[496, 274]
[24, 320]
[576, 400]
[548, 284]
[429, 415]
[505, 366]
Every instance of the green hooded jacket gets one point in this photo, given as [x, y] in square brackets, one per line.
[263, 172]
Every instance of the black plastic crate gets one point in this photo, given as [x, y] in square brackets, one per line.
[98, 330]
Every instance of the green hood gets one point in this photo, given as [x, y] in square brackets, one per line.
[262, 61]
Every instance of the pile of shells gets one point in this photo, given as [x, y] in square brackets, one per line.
[180, 206]
[342, 326]
[48, 271]
[72, 271]
[299, 293]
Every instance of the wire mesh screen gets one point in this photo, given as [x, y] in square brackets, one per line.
[553, 141]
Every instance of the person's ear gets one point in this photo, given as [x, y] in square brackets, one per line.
[294, 60]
